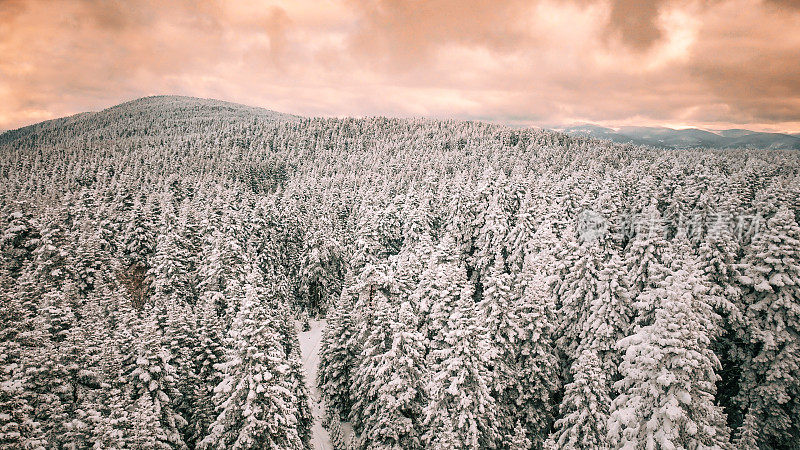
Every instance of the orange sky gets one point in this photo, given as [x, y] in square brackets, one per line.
[712, 64]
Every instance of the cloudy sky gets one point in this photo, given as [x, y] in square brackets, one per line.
[712, 64]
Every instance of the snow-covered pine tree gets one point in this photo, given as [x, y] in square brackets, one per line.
[538, 365]
[145, 431]
[644, 254]
[372, 285]
[491, 237]
[182, 341]
[91, 261]
[19, 240]
[283, 323]
[321, 270]
[112, 430]
[418, 222]
[256, 406]
[223, 270]
[297, 380]
[584, 407]
[337, 359]
[377, 340]
[53, 366]
[718, 251]
[543, 250]
[139, 237]
[18, 425]
[336, 433]
[154, 377]
[577, 291]
[666, 394]
[504, 332]
[171, 270]
[370, 243]
[520, 439]
[520, 236]
[417, 247]
[461, 408]
[209, 354]
[441, 287]
[769, 392]
[389, 383]
[609, 317]
[54, 256]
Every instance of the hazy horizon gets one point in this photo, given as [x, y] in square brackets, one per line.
[547, 126]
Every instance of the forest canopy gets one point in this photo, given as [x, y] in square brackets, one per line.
[483, 286]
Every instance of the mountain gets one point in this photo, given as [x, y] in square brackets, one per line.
[734, 133]
[138, 115]
[597, 132]
[196, 110]
[667, 137]
[689, 137]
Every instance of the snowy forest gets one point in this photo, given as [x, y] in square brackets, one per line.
[480, 286]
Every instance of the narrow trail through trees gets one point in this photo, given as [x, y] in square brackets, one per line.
[309, 347]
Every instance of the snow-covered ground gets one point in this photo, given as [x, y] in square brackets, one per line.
[309, 347]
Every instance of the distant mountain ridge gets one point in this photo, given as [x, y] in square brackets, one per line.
[689, 138]
[191, 109]
[176, 107]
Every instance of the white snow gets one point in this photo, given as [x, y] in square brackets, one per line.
[309, 348]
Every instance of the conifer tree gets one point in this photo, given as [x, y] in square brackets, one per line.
[770, 379]
[667, 388]
[536, 356]
[441, 287]
[112, 430]
[321, 271]
[18, 426]
[58, 370]
[145, 431]
[139, 238]
[209, 355]
[389, 384]
[337, 359]
[609, 317]
[19, 240]
[461, 407]
[418, 222]
[521, 236]
[154, 377]
[503, 328]
[255, 400]
[520, 439]
[171, 270]
[644, 255]
[577, 292]
[584, 408]
[92, 260]
[182, 342]
[491, 237]
[283, 323]
[543, 249]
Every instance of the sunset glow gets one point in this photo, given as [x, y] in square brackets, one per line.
[710, 64]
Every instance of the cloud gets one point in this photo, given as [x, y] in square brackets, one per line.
[409, 32]
[752, 67]
[636, 22]
[674, 62]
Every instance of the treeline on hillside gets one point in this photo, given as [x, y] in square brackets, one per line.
[484, 286]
